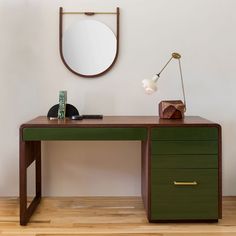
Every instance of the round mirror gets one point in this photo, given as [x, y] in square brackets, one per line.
[89, 47]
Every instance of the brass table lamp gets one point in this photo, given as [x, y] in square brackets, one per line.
[170, 109]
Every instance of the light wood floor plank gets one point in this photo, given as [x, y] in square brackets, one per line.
[106, 216]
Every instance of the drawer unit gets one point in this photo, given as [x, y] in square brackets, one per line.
[184, 161]
[184, 173]
[185, 147]
[84, 134]
[182, 194]
[185, 133]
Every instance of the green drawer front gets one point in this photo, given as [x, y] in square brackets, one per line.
[84, 134]
[184, 147]
[171, 202]
[185, 133]
[184, 161]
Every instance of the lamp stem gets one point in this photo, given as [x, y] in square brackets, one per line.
[164, 66]
[182, 83]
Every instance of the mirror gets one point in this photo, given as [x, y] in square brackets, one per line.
[88, 48]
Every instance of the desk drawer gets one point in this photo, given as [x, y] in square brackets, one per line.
[33, 134]
[184, 147]
[185, 133]
[176, 202]
[184, 161]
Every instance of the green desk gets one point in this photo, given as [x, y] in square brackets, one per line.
[181, 161]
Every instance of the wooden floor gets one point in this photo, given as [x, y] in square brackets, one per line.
[104, 216]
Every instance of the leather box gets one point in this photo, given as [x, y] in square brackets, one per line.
[173, 109]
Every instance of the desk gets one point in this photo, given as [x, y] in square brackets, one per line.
[181, 161]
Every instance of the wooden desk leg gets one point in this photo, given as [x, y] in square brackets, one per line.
[30, 151]
[145, 176]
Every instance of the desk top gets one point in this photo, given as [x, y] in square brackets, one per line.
[118, 121]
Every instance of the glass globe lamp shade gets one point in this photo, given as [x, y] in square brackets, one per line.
[149, 85]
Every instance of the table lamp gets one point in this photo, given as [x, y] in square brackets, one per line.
[171, 109]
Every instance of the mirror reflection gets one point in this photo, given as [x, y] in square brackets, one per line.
[89, 47]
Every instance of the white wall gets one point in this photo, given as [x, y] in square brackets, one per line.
[31, 74]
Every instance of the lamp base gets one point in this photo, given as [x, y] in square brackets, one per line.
[171, 109]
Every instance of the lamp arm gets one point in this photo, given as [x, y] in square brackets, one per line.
[176, 56]
[165, 66]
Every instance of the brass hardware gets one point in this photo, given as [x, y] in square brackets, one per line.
[194, 183]
[88, 13]
[176, 55]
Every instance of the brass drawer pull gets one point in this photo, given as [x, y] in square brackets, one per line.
[185, 183]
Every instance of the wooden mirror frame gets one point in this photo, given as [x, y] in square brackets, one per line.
[88, 14]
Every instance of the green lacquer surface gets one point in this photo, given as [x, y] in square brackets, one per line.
[170, 202]
[185, 147]
[185, 133]
[84, 134]
[184, 161]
